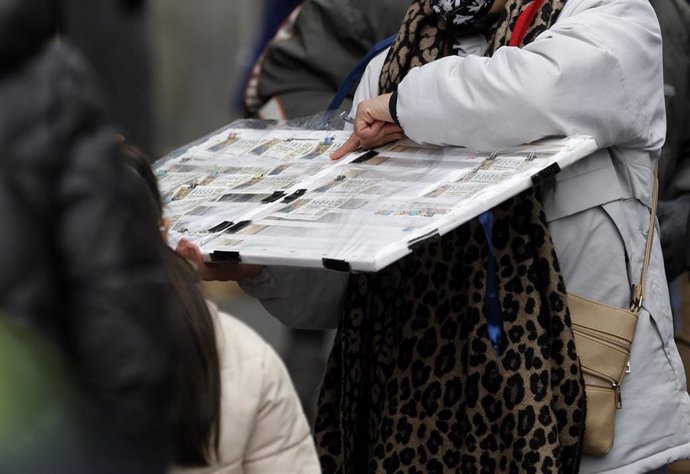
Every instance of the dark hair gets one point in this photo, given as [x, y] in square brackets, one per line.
[196, 417]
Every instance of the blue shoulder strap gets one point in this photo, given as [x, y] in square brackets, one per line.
[492, 310]
[358, 71]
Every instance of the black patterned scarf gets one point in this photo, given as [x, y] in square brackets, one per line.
[413, 384]
[426, 36]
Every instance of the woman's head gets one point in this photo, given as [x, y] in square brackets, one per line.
[196, 418]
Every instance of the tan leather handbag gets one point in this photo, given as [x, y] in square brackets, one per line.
[603, 336]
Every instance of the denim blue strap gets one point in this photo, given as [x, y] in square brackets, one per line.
[494, 314]
[358, 71]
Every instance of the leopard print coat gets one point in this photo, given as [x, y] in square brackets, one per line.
[413, 384]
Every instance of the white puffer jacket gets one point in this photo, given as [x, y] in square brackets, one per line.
[263, 427]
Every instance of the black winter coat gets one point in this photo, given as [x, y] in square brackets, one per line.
[80, 262]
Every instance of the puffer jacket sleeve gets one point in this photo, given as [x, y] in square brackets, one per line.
[592, 73]
[116, 315]
[280, 441]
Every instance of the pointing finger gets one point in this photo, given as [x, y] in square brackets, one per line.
[349, 146]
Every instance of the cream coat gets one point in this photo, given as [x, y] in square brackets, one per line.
[596, 72]
[263, 427]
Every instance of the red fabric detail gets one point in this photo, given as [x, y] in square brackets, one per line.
[524, 21]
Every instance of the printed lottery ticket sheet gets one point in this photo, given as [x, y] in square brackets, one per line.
[274, 196]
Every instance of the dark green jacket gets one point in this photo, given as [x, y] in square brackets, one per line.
[314, 51]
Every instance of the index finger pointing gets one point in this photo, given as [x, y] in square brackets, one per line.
[349, 146]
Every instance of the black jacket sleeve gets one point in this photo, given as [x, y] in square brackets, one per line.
[115, 293]
[83, 265]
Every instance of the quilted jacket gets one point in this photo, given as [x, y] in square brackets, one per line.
[79, 263]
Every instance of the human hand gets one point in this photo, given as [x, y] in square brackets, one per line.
[210, 271]
[374, 127]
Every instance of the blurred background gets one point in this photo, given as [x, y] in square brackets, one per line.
[171, 71]
[195, 93]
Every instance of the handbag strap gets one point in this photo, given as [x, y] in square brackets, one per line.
[358, 71]
[638, 290]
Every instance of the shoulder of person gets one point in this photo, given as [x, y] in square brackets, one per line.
[237, 342]
[244, 355]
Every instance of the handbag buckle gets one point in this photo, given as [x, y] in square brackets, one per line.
[636, 299]
[619, 395]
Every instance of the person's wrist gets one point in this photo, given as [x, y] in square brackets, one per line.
[393, 108]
